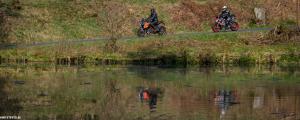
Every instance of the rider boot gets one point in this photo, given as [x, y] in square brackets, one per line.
[156, 28]
[149, 31]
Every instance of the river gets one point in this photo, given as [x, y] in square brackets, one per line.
[104, 92]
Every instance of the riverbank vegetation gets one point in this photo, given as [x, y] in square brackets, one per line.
[188, 49]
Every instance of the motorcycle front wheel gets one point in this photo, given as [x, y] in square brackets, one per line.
[162, 30]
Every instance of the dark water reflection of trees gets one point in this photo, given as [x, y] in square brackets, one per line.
[9, 106]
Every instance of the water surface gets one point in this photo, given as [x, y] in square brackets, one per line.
[92, 92]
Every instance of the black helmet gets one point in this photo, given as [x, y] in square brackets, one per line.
[152, 10]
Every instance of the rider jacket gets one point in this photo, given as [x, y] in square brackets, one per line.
[153, 17]
[225, 14]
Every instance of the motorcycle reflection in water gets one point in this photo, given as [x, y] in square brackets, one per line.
[149, 95]
[224, 99]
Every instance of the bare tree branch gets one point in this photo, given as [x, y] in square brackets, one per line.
[112, 16]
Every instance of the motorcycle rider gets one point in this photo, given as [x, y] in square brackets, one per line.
[153, 19]
[226, 15]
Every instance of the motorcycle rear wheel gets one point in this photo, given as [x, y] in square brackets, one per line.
[216, 27]
[141, 33]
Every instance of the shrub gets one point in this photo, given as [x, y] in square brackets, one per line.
[244, 60]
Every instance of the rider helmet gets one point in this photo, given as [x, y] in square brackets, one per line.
[224, 8]
[152, 10]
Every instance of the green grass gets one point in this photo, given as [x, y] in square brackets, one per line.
[177, 49]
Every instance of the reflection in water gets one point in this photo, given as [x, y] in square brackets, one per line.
[109, 93]
[258, 101]
[224, 99]
[9, 106]
[150, 95]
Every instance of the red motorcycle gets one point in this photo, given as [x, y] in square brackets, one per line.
[220, 24]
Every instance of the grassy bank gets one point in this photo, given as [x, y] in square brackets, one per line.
[48, 20]
[57, 20]
[188, 49]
